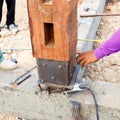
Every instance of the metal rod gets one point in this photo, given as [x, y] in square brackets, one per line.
[23, 79]
[97, 15]
[24, 74]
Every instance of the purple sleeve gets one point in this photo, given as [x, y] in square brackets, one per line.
[112, 45]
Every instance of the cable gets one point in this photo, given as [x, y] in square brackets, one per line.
[95, 101]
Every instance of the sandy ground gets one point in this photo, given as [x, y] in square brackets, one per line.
[20, 43]
[106, 69]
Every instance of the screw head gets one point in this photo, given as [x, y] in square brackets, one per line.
[60, 66]
[53, 78]
[44, 64]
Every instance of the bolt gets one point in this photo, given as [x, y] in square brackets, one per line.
[53, 78]
[60, 66]
[45, 65]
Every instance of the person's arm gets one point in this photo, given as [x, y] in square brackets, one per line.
[111, 46]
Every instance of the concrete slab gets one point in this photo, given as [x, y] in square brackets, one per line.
[35, 105]
[7, 78]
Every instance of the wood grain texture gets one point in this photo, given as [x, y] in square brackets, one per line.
[62, 14]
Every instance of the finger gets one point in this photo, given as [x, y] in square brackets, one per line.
[86, 63]
[80, 58]
[83, 62]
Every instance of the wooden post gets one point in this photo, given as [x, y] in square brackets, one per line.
[53, 28]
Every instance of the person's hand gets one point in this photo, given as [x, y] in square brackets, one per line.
[86, 58]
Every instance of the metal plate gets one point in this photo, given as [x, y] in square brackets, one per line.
[57, 72]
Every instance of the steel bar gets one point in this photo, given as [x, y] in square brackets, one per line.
[99, 15]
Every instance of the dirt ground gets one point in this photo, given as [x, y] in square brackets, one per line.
[20, 43]
[107, 69]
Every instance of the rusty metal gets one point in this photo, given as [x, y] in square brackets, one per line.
[99, 15]
[15, 85]
[22, 78]
[54, 88]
